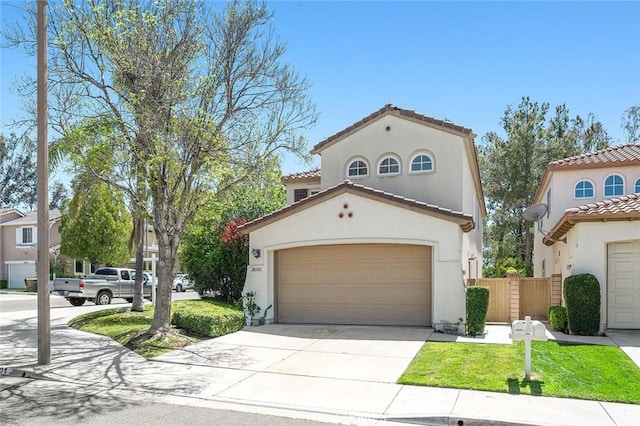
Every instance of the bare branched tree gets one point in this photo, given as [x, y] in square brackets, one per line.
[189, 93]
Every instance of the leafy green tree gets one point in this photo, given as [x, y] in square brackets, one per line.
[213, 252]
[192, 92]
[631, 123]
[17, 171]
[58, 195]
[95, 224]
[512, 167]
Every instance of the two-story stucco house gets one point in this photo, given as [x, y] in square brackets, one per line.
[593, 202]
[386, 231]
[18, 244]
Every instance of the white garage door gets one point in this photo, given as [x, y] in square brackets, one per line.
[18, 272]
[374, 284]
[623, 285]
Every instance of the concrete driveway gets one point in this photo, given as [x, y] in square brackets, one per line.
[628, 341]
[350, 368]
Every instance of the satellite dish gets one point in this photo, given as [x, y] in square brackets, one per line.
[535, 212]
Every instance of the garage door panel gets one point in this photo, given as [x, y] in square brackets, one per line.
[360, 284]
[18, 272]
[623, 285]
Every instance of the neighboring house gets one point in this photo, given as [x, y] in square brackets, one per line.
[593, 202]
[386, 231]
[18, 244]
[18, 247]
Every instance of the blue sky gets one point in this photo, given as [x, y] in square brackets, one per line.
[464, 61]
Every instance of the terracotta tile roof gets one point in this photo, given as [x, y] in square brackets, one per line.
[394, 110]
[621, 208]
[464, 220]
[308, 176]
[615, 156]
[608, 157]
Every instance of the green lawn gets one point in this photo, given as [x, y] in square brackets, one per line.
[123, 327]
[603, 373]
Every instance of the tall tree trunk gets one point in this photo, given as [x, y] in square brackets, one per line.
[140, 231]
[167, 250]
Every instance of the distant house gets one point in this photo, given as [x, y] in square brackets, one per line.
[593, 202]
[18, 244]
[385, 232]
[18, 247]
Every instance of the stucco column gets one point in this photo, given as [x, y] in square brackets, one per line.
[514, 296]
[556, 290]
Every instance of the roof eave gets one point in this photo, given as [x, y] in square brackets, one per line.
[465, 222]
[568, 221]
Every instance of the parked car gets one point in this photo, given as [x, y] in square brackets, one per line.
[101, 287]
[182, 282]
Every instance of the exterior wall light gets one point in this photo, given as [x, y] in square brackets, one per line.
[256, 253]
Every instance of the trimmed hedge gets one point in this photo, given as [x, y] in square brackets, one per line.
[477, 307]
[558, 318]
[3, 284]
[207, 317]
[582, 297]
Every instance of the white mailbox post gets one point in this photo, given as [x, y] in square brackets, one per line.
[527, 330]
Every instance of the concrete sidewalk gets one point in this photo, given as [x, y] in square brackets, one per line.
[335, 374]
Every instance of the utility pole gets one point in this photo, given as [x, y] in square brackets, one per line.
[44, 313]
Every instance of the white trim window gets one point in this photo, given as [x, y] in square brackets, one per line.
[389, 166]
[636, 187]
[613, 186]
[583, 189]
[422, 163]
[26, 236]
[358, 169]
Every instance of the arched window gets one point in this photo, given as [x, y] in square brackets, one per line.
[637, 186]
[613, 186]
[358, 168]
[421, 163]
[583, 189]
[389, 166]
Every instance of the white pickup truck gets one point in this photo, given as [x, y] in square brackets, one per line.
[101, 287]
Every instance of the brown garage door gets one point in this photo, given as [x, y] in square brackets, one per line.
[375, 284]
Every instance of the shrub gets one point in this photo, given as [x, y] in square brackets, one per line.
[477, 307]
[207, 317]
[582, 297]
[3, 284]
[558, 318]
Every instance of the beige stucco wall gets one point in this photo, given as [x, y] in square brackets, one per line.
[563, 183]
[372, 222]
[586, 252]
[444, 187]
[562, 186]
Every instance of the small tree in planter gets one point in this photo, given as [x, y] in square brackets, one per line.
[251, 308]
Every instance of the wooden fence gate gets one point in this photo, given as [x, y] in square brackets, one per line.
[514, 297]
[535, 298]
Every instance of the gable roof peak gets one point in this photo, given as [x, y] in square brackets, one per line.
[390, 109]
[465, 221]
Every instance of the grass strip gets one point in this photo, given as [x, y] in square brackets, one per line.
[567, 370]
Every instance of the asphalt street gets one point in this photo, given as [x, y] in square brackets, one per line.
[25, 404]
[15, 302]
